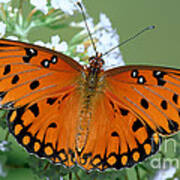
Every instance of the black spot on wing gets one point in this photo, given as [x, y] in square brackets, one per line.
[7, 69]
[15, 79]
[52, 125]
[30, 52]
[137, 125]
[111, 103]
[114, 134]
[54, 59]
[141, 80]
[34, 109]
[134, 73]
[164, 104]
[51, 101]
[26, 59]
[144, 103]
[65, 96]
[124, 112]
[45, 63]
[159, 76]
[173, 126]
[175, 98]
[34, 85]
[161, 82]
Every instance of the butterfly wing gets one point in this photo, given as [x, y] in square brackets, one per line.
[38, 86]
[28, 73]
[48, 128]
[117, 137]
[151, 92]
[135, 105]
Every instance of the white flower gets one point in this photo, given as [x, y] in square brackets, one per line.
[77, 59]
[67, 6]
[54, 44]
[4, 1]
[2, 29]
[104, 21]
[12, 38]
[16, 10]
[40, 5]
[80, 48]
[11, 15]
[90, 51]
[3, 145]
[81, 24]
[164, 174]
[55, 41]
[9, 8]
[40, 43]
[2, 173]
[107, 38]
[63, 46]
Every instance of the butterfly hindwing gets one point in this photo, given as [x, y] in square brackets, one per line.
[47, 128]
[34, 71]
[117, 138]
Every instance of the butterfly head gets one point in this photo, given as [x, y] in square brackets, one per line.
[96, 62]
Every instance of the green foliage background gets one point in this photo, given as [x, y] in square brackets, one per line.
[158, 47]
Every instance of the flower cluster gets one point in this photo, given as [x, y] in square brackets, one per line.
[51, 13]
[4, 146]
[105, 38]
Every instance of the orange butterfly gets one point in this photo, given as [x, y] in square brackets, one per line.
[86, 116]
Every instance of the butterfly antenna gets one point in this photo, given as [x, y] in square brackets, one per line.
[87, 27]
[131, 38]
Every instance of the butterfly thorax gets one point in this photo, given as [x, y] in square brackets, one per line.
[96, 63]
[90, 88]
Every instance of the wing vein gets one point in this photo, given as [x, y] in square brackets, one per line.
[26, 82]
[140, 109]
[162, 97]
[151, 102]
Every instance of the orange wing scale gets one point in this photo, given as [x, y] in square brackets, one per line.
[117, 138]
[151, 92]
[34, 72]
[42, 129]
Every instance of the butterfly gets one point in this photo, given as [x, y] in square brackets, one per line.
[93, 118]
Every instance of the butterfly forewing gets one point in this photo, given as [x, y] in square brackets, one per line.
[28, 73]
[151, 92]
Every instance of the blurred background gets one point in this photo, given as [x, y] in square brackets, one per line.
[159, 46]
[156, 47]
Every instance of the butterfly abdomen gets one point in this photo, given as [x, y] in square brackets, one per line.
[91, 86]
